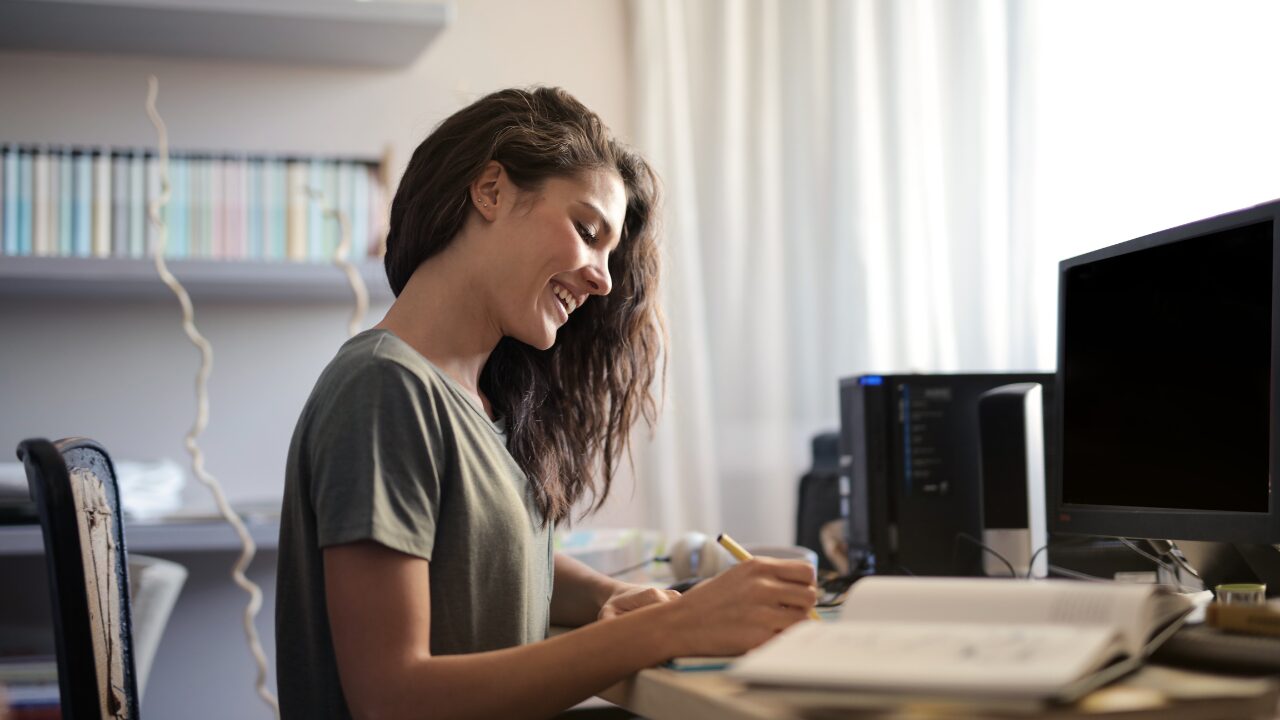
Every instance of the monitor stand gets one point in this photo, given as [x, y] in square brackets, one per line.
[1219, 563]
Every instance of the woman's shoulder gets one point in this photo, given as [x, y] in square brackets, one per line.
[376, 355]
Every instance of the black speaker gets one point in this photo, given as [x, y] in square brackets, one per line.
[819, 501]
[1012, 461]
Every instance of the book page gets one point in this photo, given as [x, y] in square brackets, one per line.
[1128, 609]
[1029, 661]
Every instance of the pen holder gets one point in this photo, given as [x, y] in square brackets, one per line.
[786, 552]
[1241, 593]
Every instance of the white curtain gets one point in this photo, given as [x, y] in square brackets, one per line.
[841, 198]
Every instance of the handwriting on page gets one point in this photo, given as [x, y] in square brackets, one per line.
[1081, 608]
[951, 644]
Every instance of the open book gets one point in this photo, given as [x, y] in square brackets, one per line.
[1018, 639]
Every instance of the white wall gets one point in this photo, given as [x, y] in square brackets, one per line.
[1147, 114]
[122, 371]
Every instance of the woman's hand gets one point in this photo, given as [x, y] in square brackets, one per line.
[744, 606]
[632, 597]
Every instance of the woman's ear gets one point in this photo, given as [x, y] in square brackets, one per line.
[484, 190]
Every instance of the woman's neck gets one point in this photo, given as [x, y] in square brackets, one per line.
[443, 316]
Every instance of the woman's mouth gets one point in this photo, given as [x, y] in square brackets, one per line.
[566, 298]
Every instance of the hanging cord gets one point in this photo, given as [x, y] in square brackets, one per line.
[1169, 568]
[637, 566]
[1031, 564]
[1068, 572]
[955, 550]
[248, 547]
[340, 256]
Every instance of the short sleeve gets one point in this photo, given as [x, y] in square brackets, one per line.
[376, 460]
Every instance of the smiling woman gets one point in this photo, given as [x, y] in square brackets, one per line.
[439, 449]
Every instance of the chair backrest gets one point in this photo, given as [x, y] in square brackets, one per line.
[74, 486]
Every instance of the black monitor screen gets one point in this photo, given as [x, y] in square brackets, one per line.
[1166, 372]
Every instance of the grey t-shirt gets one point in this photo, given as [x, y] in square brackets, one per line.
[390, 449]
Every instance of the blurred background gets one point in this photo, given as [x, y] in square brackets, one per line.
[852, 186]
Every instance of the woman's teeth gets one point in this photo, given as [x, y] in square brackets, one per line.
[566, 298]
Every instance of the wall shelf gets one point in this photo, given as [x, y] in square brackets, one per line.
[76, 277]
[371, 33]
[158, 536]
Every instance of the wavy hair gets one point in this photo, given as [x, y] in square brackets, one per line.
[569, 410]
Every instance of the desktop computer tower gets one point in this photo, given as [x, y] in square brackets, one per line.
[910, 470]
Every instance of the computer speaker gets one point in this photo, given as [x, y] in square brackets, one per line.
[1012, 458]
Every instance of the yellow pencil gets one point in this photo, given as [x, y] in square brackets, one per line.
[741, 555]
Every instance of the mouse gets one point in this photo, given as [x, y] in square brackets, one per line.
[684, 585]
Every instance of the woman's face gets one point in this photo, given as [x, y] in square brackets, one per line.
[558, 241]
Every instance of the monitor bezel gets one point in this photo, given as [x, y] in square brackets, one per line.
[1171, 523]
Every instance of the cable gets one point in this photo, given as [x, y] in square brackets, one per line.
[1032, 562]
[1176, 554]
[954, 548]
[248, 547]
[340, 259]
[1077, 575]
[637, 566]
[1171, 568]
[1167, 567]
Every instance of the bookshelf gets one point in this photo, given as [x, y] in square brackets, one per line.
[312, 32]
[209, 534]
[73, 277]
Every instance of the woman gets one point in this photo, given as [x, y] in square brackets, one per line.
[439, 449]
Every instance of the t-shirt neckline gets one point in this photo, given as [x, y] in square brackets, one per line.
[498, 426]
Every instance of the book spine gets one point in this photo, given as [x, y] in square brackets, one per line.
[40, 202]
[137, 203]
[82, 202]
[191, 202]
[153, 197]
[269, 210]
[177, 215]
[116, 189]
[344, 205]
[239, 216]
[253, 209]
[55, 191]
[379, 213]
[279, 210]
[219, 245]
[315, 219]
[103, 203]
[296, 201]
[66, 204]
[25, 180]
[360, 213]
[5, 187]
[195, 207]
[10, 239]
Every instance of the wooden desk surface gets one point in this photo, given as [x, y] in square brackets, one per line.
[661, 694]
[1154, 693]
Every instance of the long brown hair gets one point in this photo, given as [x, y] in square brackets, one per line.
[569, 409]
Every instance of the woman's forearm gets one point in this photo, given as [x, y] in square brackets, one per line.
[519, 682]
[579, 592]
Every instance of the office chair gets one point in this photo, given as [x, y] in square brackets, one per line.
[74, 486]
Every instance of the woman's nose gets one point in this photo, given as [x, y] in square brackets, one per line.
[598, 280]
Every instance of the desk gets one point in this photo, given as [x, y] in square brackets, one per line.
[661, 694]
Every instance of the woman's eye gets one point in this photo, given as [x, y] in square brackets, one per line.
[586, 233]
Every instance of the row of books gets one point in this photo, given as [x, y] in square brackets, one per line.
[79, 202]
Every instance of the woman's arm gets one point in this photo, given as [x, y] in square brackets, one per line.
[581, 595]
[382, 639]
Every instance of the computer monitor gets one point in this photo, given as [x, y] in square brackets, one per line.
[1167, 406]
